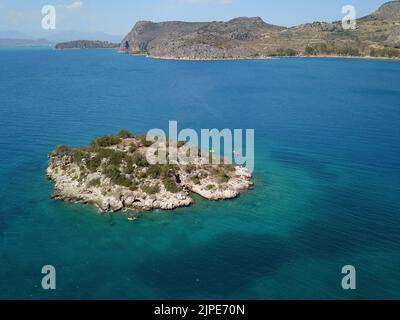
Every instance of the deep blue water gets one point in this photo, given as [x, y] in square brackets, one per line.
[327, 178]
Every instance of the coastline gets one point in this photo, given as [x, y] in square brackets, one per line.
[172, 58]
[193, 59]
[346, 57]
[207, 59]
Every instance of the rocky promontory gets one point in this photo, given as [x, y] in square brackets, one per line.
[113, 174]
[376, 35]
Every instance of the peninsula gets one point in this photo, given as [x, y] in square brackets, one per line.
[376, 35]
[113, 174]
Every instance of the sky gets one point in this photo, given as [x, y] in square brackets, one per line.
[117, 17]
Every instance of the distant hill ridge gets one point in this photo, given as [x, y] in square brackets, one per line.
[12, 38]
[24, 43]
[376, 35]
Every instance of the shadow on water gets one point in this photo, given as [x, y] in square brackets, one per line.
[232, 262]
[297, 160]
[222, 266]
[343, 226]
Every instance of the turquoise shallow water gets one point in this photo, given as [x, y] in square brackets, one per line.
[327, 178]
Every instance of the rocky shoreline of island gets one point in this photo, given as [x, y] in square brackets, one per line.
[365, 57]
[113, 175]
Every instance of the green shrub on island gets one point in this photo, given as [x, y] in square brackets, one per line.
[62, 150]
[101, 152]
[154, 171]
[324, 49]
[161, 170]
[196, 180]
[123, 181]
[223, 178]
[230, 167]
[144, 142]
[210, 187]
[116, 157]
[132, 147]
[104, 153]
[111, 171]
[385, 52]
[82, 176]
[286, 52]
[189, 168]
[93, 163]
[170, 185]
[113, 157]
[310, 51]
[129, 166]
[220, 173]
[133, 187]
[125, 134]
[94, 182]
[139, 159]
[106, 141]
[142, 175]
[348, 51]
[116, 177]
[150, 189]
[78, 155]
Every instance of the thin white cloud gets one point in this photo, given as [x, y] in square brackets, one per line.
[205, 1]
[73, 5]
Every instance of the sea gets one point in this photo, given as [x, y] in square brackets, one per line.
[327, 178]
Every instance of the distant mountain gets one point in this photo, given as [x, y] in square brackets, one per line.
[86, 44]
[13, 38]
[24, 43]
[376, 35]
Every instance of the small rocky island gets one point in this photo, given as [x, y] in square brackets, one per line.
[86, 44]
[113, 174]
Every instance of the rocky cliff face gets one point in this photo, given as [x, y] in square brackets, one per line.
[186, 40]
[252, 37]
[389, 10]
